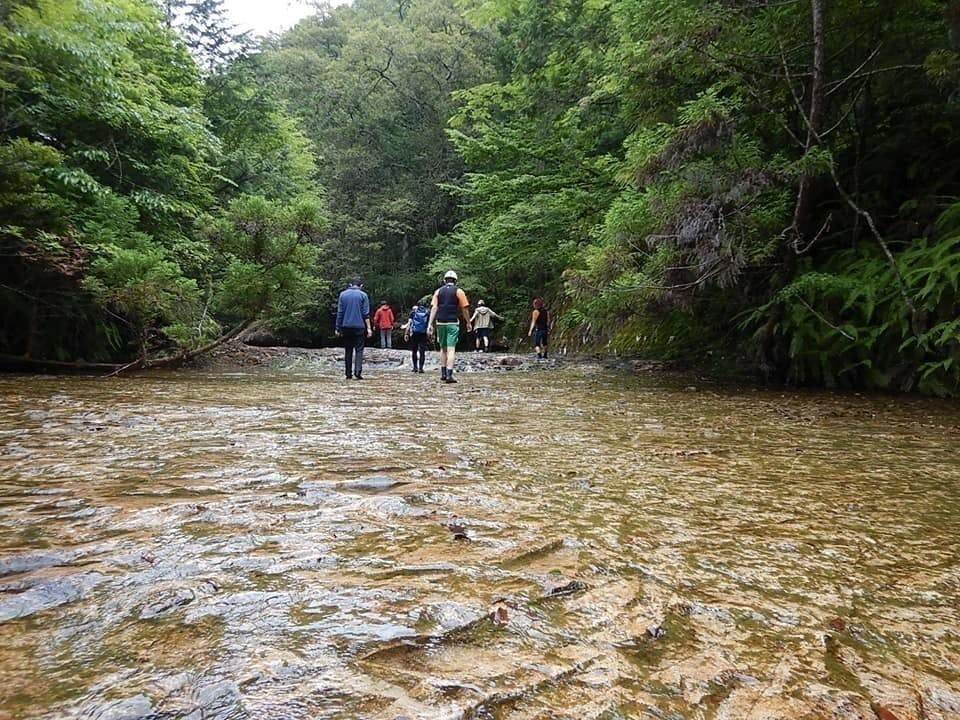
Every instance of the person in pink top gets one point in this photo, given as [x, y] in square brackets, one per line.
[383, 321]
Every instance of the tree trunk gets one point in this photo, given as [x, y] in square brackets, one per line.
[32, 326]
[15, 362]
[804, 222]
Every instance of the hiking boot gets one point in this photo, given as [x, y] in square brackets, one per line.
[449, 379]
[358, 376]
[443, 374]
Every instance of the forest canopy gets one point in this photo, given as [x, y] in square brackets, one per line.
[760, 187]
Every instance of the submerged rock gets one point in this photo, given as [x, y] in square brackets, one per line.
[137, 707]
[33, 561]
[167, 601]
[458, 529]
[46, 595]
[371, 483]
[574, 586]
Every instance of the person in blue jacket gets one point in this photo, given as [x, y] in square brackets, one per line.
[353, 324]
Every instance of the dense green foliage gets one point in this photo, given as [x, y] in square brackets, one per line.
[372, 85]
[766, 186]
[759, 181]
[114, 157]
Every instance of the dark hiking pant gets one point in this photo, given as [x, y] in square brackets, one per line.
[418, 349]
[353, 341]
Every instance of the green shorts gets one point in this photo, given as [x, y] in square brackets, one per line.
[448, 334]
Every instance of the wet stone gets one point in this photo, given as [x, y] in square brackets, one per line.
[450, 615]
[137, 707]
[219, 700]
[572, 587]
[374, 483]
[33, 561]
[47, 594]
[167, 602]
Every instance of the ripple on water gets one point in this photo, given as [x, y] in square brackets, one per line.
[281, 545]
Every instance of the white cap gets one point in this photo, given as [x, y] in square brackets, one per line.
[450, 274]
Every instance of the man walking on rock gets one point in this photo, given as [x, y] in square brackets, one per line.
[482, 325]
[353, 323]
[448, 305]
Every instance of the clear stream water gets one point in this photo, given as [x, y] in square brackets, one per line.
[565, 542]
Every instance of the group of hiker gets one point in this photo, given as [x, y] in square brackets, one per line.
[441, 319]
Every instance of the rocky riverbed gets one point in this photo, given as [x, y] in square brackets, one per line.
[239, 354]
[542, 541]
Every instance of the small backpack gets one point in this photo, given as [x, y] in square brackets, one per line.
[418, 320]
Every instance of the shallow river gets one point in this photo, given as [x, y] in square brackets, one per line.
[566, 542]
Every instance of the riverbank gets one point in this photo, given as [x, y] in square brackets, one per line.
[237, 354]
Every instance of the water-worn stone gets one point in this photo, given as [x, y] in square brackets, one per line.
[450, 615]
[137, 707]
[220, 699]
[373, 483]
[167, 601]
[28, 562]
[47, 594]
[574, 586]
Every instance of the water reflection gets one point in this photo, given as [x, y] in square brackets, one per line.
[572, 543]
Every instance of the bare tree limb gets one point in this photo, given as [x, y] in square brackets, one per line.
[813, 119]
[847, 113]
[865, 214]
[891, 68]
[837, 84]
[824, 320]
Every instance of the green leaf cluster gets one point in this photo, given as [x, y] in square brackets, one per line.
[372, 85]
[862, 321]
[709, 170]
[115, 153]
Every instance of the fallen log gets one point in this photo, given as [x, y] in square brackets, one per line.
[15, 363]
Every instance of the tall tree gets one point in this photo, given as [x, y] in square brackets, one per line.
[110, 179]
[372, 84]
[207, 31]
[537, 151]
[100, 122]
[749, 149]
